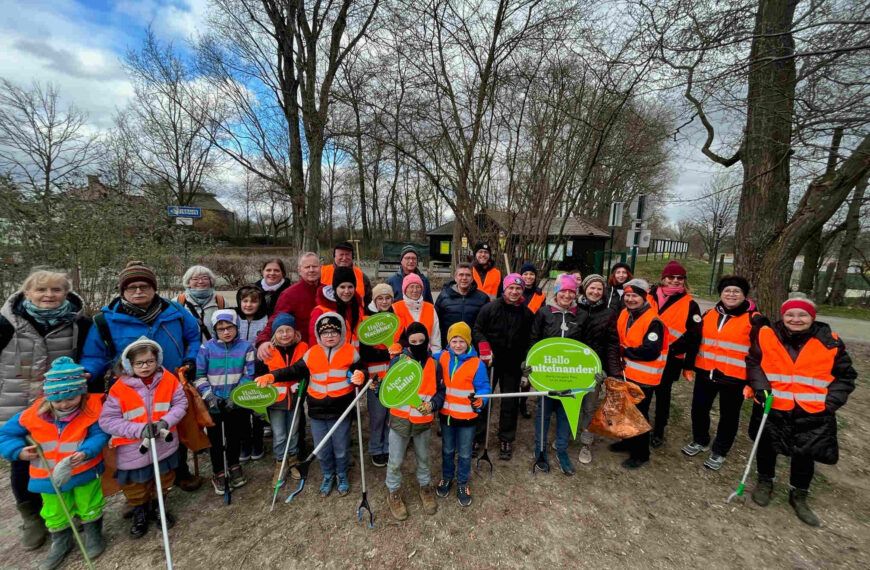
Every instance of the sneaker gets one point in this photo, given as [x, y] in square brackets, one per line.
[565, 463]
[326, 485]
[714, 462]
[463, 492]
[620, 446]
[257, 454]
[219, 482]
[585, 455]
[237, 478]
[427, 496]
[380, 459]
[343, 485]
[693, 449]
[542, 463]
[442, 489]
[763, 492]
[506, 451]
[397, 505]
[245, 456]
[632, 463]
[656, 441]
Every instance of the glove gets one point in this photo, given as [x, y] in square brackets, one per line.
[357, 378]
[395, 350]
[159, 426]
[147, 432]
[526, 370]
[477, 405]
[763, 394]
[524, 381]
[600, 377]
[689, 375]
[264, 380]
[62, 472]
[748, 393]
[485, 353]
[229, 404]
[211, 400]
[293, 387]
[425, 408]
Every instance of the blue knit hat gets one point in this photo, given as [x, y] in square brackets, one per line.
[65, 379]
[283, 319]
[527, 266]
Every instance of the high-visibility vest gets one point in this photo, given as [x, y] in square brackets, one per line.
[490, 285]
[427, 317]
[329, 375]
[674, 317]
[724, 347]
[804, 380]
[57, 444]
[276, 361]
[327, 271]
[647, 372]
[459, 386]
[379, 368]
[536, 301]
[426, 392]
[350, 335]
[133, 407]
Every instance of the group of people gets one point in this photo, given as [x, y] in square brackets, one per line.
[71, 385]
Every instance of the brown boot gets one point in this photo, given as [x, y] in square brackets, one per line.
[397, 506]
[276, 474]
[292, 462]
[427, 495]
[191, 483]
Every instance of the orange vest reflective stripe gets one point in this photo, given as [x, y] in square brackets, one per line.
[427, 317]
[674, 317]
[58, 444]
[459, 386]
[133, 408]
[329, 375]
[724, 348]
[327, 271]
[647, 372]
[276, 361]
[426, 392]
[804, 380]
[490, 285]
[350, 335]
[536, 301]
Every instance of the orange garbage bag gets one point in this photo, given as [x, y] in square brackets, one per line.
[190, 428]
[617, 416]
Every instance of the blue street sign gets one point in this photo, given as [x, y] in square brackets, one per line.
[184, 211]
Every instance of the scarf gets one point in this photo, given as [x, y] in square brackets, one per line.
[199, 296]
[664, 292]
[65, 415]
[148, 315]
[66, 313]
[414, 305]
[587, 303]
[274, 287]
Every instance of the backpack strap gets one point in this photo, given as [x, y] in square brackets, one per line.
[220, 301]
[105, 333]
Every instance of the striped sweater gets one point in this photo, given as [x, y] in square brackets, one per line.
[220, 367]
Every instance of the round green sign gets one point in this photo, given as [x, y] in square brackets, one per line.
[251, 396]
[401, 384]
[378, 329]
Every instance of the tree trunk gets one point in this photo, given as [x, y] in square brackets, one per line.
[812, 258]
[847, 246]
[313, 195]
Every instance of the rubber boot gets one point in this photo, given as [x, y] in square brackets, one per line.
[797, 498]
[94, 543]
[139, 524]
[33, 531]
[763, 492]
[61, 544]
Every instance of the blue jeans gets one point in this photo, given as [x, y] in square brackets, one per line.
[378, 428]
[334, 457]
[456, 441]
[398, 446]
[563, 428]
[281, 420]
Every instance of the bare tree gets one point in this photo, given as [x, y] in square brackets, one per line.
[848, 244]
[714, 213]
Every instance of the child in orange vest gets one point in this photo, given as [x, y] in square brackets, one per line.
[64, 424]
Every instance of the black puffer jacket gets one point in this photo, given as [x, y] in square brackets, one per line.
[552, 322]
[506, 328]
[270, 298]
[453, 307]
[601, 334]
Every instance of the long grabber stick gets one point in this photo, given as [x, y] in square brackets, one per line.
[569, 393]
[303, 467]
[299, 394]
[364, 503]
[485, 455]
[738, 493]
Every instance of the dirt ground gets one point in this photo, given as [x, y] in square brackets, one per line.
[669, 514]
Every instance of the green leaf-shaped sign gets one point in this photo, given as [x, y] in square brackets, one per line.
[564, 364]
[378, 329]
[401, 384]
[253, 397]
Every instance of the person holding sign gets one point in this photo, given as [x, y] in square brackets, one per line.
[409, 422]
[412, 308]
[644, 343]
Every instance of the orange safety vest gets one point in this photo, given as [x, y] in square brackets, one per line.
[647, 372]
[536, 301]
[329, 375]
[674, 317]
[426, 393]
[276, 361]
[427, 317]
[490, 286]
[459, 386]
[350, 335]
[57, 444]
[327, 271]
[804, 380]
[724, 347]
[133, 407]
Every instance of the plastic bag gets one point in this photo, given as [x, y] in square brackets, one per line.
[617, 415]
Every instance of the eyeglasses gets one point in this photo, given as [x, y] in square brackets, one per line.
[329, 333]
[137, 288]
[201, 279]
[676, 277]
[144, 363]
[224, 329]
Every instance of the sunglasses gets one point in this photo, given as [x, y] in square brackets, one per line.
[677, 277]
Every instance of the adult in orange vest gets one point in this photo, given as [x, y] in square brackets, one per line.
[342, 256]
[643, 342]
[342, 298]
[806, 368]
[533, 297]
[412, 308]
[487, 277]
[682, 317]
[720, 368]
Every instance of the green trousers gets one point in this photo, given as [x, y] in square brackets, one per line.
[85, 501]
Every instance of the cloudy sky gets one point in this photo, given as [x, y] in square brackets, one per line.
[77, 44]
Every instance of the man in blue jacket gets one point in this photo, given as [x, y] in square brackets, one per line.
[460, 301]
[408, 264]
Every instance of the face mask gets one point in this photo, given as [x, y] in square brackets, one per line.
[419, 351]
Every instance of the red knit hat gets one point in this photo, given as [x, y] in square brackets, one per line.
[673, 268]
[799, 302]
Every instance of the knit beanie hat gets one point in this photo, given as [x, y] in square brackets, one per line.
[460, 329]
[228, 315]
[142, 341]
[343, 275]
[512, 279]
[673, 268]
[799, 301]
[565, 282]
[65, 379]
[343, 245]
[733, 281]
[383, 289]
[410, 279]
[620, 265]
[328, 322]
[283, 320]
[482, 245]
[638, 286]
[528, 267]
[136, 271]
[408, 249]
[594, 277]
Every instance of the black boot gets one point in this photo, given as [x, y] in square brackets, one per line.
[33, 533]
[94, 543]
[61, 544]
[139, 524]
[763, 492]
[797, 498]
[154, 513]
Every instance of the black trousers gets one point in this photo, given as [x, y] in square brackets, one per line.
[662, 392]
[19, 477]
[508, 378]
[234, 424]
[730, 402]
[802, 467]
[639, 444]
[252, 433]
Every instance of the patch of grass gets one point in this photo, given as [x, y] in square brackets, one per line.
[697, 270]
[860, 313]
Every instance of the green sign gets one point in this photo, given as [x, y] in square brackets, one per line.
[401, 384]
[564, 364]
[378, 329]
[253, 397]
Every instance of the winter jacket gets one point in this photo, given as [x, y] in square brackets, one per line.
[452, 307]
[395, 281]
[600, 334]
[757, 320]
[506, 328]
[534, 297]
[326, 302]
[613, 297]
[113, 423]
[202, 313]
[297, 300]
[687, 345]
[221, 366]
[175, 330]
[27, 350]
[480, 381]
[249, 330]
[551, 321]
[12, 441]
[798, 431]
[269, 298]
[404, 426]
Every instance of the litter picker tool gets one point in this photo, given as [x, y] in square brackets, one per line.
[150, 443]
[738, 493]
[228, 493]
[299, 393]
[364, 503]
[485, 455]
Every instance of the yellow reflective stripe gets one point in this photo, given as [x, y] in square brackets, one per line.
[134, 413]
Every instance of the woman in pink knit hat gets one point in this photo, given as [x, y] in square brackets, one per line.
[412, 308]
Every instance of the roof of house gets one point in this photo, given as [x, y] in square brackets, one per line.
[528, 225]
[442, 230]
[207, 201]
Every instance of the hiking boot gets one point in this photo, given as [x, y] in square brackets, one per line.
[463, 492]
[61, 544]
[693, 449]
[343, 485]
[326, 484]
[763, 492]
[797, 498]
[620, 446]
[565, 463]
[380, 459]
[397, 505]
[475, 449]
[427, 496]
[219, 482]
[442, 489]
[506, 451]
[634, 463]
[714, 462]
[93, 537]
[585, 455]
[33, 531]
[656, 441]
[237, 478]
[154, 513]
[138, 522]
[190, 483]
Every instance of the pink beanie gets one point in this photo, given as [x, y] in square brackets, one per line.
[513, 279]
[410, 279]
[565, 282]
